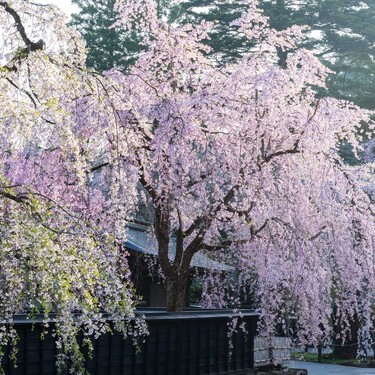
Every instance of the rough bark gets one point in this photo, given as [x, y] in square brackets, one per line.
[176, 290]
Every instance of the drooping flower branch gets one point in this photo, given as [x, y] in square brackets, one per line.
[60, 255]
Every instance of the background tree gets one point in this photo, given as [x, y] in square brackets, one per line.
[342, 35]
[107, 47]
[225, 43]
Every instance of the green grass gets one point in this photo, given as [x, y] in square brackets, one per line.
[330, 359]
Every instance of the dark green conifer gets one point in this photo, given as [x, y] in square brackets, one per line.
[343, 37]
[226, 43]
[107, 47]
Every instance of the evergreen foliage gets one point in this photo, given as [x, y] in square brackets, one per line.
[107, 46]
[226, 43]
[343, 37]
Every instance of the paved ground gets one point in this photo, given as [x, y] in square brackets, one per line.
[324, 369]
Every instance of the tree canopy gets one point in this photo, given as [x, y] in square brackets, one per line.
[54, 257]
[107, 47]
[239, 161]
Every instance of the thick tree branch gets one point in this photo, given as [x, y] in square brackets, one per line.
[205, 222]
[143, 180]
[31, 46]
[99, 166]
[315, 111]
[294, 150]
[179, 241]
[161, 222]
[161, 227]
[240, 212]
[19, 198]
[255, 232]
[315, 236]
[224, 244]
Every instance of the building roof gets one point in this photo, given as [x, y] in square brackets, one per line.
[141, 241]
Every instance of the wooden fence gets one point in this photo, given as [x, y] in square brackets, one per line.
[271, 350]
[186, 343]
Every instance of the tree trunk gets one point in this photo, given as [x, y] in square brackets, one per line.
[176, 290]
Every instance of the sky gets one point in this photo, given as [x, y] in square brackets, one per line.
[65, 5]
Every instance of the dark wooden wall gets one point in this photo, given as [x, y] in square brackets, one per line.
[188, 343]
